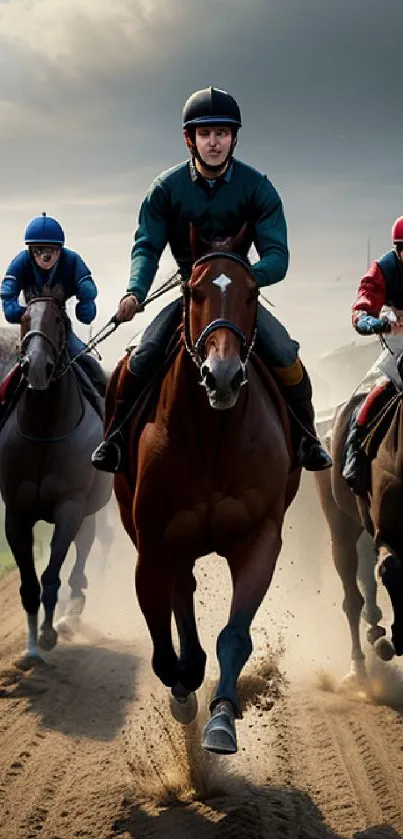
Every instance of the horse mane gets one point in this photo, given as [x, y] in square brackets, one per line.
[53, 292]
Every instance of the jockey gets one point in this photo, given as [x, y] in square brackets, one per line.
[46, 262]
[218, 193]
[381, 286]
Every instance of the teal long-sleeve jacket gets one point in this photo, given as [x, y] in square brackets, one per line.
[218, 209]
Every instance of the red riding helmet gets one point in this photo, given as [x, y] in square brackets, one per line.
[397, 231]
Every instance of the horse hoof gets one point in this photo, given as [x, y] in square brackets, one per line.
[384, 649]
[372, 618]
[183, 708]
[67, 627]
[355, 683]
[29, 660]
[219, 734]
[48, 638]
[374, 633]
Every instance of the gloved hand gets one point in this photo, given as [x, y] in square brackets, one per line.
[368, 325]
[127, 308]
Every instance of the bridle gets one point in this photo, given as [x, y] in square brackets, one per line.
[196, 348]
[57, 351]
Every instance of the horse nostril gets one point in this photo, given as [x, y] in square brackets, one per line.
[49, 369]
[208, 378]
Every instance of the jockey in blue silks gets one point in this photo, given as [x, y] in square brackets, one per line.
[47, 262]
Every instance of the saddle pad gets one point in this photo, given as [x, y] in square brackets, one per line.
[367, 408]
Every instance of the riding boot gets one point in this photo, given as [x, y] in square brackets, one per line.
[355, 466]
[297, 391]
[107, 457]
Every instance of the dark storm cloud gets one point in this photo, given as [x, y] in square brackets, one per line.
[91, 98]
[318, 82]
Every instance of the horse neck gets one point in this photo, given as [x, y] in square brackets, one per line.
[53, 412]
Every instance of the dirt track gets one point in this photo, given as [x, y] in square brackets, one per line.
[89, 748]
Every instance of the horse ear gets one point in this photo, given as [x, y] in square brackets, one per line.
[198, 246]
[238, 241]
[58, 294]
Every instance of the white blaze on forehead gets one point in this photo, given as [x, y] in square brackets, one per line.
[222, 281]
[36, 315]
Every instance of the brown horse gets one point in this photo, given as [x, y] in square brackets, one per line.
[379, 515]
[45, 467]
[212, 472]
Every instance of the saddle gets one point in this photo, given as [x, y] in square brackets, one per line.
[370, 417]
[291, 430]
[143, 408]
[375, 414]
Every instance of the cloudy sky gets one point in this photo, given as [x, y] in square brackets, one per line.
[90, 103]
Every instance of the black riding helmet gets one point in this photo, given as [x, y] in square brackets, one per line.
[211, 106]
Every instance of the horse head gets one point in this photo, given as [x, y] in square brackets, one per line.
[220, 316]
[43, 336]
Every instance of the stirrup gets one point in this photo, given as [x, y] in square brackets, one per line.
[107, 456]
[313, 456]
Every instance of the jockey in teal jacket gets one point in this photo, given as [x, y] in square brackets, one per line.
[218, 194]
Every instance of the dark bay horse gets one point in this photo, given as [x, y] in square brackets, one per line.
[45, 467]
[380, 515]
[212, 472]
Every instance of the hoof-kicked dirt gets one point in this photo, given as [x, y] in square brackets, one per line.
[88, 747]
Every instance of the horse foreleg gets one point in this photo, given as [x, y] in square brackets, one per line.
[388, 528]
[70, 622]
[67, 520]
[345, 533]
[391, 574]
[155, 583]
[252, 563]
[192, 659]
[19, 536]
[371, 613]
[105, 533]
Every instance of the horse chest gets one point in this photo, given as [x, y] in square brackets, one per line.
[210, 524]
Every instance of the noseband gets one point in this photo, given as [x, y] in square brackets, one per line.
[196, 349]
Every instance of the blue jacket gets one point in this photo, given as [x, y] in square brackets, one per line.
[70, 272]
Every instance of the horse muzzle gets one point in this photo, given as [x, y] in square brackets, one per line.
[223, 380]
[38, 376]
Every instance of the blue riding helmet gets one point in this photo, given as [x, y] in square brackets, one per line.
[44, 230]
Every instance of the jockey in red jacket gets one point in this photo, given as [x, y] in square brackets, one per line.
[381, 285]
